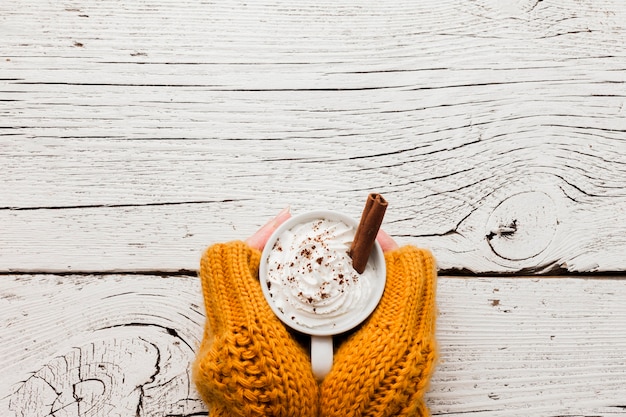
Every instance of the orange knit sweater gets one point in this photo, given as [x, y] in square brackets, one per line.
[249, 364]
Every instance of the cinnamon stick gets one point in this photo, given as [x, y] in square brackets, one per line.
[365, 236]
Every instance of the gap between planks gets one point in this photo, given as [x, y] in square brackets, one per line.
[513, 346]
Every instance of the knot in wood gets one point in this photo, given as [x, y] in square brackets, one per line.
[522, 226]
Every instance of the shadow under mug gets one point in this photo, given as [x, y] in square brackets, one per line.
[322, 336]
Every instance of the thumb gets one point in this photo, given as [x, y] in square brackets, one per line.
[259, 239]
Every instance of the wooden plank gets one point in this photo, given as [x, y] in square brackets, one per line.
[120, 344]
[133, 134]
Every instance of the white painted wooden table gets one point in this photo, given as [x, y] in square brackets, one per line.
[133, 134]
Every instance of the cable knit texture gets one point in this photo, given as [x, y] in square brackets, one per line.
[248, 364]
[384, 368]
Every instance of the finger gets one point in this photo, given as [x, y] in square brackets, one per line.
[385, 241]
[259, 239]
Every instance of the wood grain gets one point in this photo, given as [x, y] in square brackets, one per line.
[133, 134]
[99, 345]
[121, 345]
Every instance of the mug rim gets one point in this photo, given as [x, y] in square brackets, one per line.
[359, 316]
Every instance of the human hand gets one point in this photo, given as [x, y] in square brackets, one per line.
[248, 363]
[261, 236]
[384, 367]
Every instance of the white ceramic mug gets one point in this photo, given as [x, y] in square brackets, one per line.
[321, 328]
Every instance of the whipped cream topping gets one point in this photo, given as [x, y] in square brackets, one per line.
[310, 275]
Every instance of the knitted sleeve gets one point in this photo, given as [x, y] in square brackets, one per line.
[247, 364]
[383, 369]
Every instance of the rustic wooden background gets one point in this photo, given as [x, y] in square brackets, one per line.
[133, 134]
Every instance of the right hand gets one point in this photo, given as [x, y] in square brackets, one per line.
[383, 369]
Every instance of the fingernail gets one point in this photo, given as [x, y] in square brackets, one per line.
[284, 211]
